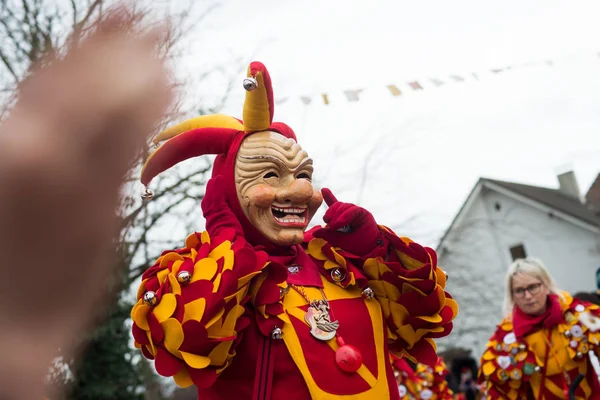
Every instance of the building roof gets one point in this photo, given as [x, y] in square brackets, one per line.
[553, 198]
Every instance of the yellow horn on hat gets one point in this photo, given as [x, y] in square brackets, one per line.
[258, 106]
[203, 121]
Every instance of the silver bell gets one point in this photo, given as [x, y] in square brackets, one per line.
[522, 347]
[150, 298]
[537, 368]
[579, 355]
[283, 291]
[277, 334]
[184, 277]
[338, 274]
[568, 333]
[368, 293]
[250, 84]
[147, 195]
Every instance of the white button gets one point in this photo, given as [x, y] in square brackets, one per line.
[510, 338]
[426, 394]
[580, 308]
[576, 331]
[503, 361]
[402, 390]
[573, 343]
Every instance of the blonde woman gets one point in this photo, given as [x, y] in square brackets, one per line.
[540, 349]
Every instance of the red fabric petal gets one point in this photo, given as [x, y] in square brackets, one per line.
[229, 283]
[152, 284]
[214, 303]
[261, 259]
[274, 309]
[167, 364]
[146, 353]
[268, 293]
[155, 329]
[195, 290]
[195, 337]
[139, 334]
[203, 251]
[242, 323]
[179, 308]
[202, 378]
[277, 273]
[245, 262]
[187, 265]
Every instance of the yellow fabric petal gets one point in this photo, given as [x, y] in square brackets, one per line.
[489, 355]
[217, 283]
[204, 269]
[162, 275]
[431, 318]
[382, 268]
[194, 310]
[141, 289]
[244, 280]
[488, 368]
[173, 335]
[175, 267]
[166, 307]
[172, 256]
[135, 307]
[228, 260]
[175, 286]
[220, 250]
[314, 248]
[371, 269]
[218, 356]
[140, 317]
[195, 360]
[215, 318]
[391, 291]
[205, 237]
[232, 317]
[182, 378]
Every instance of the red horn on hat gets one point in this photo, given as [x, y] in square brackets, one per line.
[210, 134]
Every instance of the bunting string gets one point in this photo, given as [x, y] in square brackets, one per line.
[397, 90]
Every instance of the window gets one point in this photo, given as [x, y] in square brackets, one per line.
[518, 251]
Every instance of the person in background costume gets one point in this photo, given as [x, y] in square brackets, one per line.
[434, 383]
[409, 384]
[541, 349]
[256, 307]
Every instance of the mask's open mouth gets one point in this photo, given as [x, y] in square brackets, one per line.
[290, 216]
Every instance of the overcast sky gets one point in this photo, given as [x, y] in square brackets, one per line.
[413, 159]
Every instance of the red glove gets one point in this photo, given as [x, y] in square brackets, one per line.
[349, 227]
[216, 211]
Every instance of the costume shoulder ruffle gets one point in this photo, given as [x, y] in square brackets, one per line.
[409, 286]
[191, 306]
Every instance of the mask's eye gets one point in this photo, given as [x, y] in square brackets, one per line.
[304, 175]
[270, 175]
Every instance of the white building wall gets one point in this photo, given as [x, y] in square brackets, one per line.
[476, 254]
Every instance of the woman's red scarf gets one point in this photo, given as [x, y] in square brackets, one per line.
[524, 324]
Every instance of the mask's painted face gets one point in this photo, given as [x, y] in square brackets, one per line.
[273, 182]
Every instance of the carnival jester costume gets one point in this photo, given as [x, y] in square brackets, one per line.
[541, 357]
[254, 307]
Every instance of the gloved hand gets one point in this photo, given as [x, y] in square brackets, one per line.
[216, 210]
[349, 227]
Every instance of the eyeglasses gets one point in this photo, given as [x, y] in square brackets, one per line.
[533, 289]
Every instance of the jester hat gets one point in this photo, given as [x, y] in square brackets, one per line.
[221, 135]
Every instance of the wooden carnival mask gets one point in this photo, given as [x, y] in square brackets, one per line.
[273, 181]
